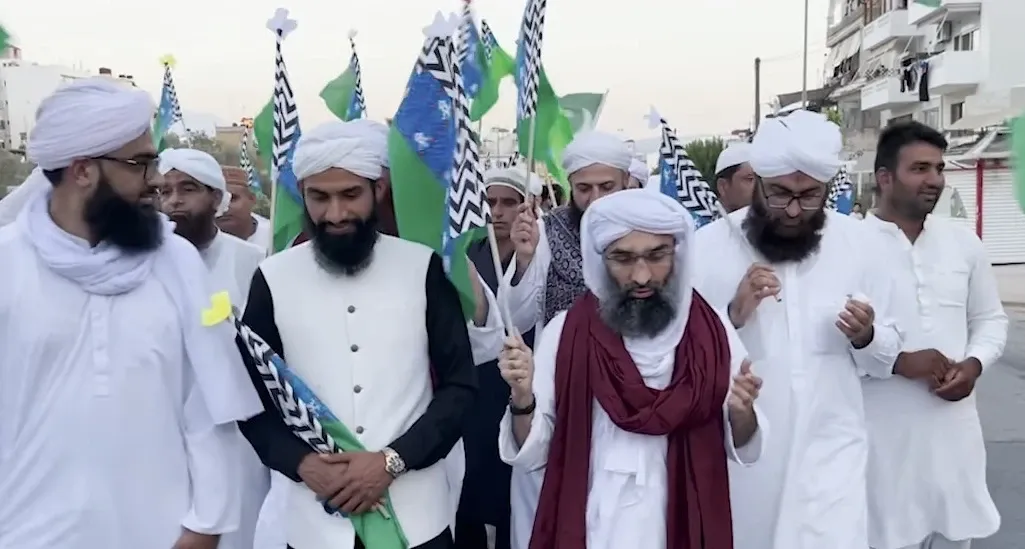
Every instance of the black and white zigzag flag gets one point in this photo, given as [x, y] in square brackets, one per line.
[838, 186]
[512, 161]
[358, 91]
[298, 414]
[486, 40]
[286, 114]
[176, 108]
[243, 162]
[692, 189]
[529, 73]
[467, 207]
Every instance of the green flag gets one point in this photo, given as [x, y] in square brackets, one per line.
[1018, 158]
[5, 39]
[497, 68]
[553, 131]
[341, 97]
[582, 109]
[287, 213]
[929, 3]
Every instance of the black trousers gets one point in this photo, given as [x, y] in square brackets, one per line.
[471, 534]
[442, 541]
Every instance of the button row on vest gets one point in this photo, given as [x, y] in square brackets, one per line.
[359, 430]
[354, 348]
[352, 309]
[357, 389]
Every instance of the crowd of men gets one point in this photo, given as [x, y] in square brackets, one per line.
[785, 377]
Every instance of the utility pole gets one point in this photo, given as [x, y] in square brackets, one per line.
[758, 92]
[804, 68]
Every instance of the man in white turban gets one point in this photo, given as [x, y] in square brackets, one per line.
[407, 379]
[734, 178]
[834, 322]
[122, 383]
[651, 397]
[639, 174]
[192, 194]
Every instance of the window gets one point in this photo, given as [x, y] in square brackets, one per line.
[956, 111]
[896, 119]
[966, 41]
[931, 118]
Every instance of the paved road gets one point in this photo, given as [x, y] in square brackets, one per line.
[1002, 408]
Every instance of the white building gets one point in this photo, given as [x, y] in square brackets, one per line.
[954, 67]
[23, 85]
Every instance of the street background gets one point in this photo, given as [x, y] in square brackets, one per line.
[1002, 410]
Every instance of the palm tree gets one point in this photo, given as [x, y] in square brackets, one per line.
[704, 153]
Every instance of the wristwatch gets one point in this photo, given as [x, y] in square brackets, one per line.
[393, 463]
[525, 411]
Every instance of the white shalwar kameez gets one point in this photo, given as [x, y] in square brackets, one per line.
[628, 495]
[808, 489]
[917, 438]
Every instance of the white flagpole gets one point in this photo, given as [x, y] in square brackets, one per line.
[804, 66]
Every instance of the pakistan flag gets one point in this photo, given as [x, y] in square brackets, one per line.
[582, 109]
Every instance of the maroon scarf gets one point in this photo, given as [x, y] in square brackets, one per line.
[593, 363]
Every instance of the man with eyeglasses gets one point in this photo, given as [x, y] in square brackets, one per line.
[833, 323]
[121, 385]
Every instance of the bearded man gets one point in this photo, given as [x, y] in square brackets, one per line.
[836, 321]
[734, 178]
[641, 393]
[372, 323]
[121, 389]
[238, 218]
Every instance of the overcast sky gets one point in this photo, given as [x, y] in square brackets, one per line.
[692, 59]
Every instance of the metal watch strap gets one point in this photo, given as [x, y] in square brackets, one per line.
[393, 462]
[525, 411]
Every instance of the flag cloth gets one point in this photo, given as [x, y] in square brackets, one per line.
[343, 96]
[169, 112]
[929, 3]
[287, 209]
[5, 39]
[582, 110]
[243, 162]
[497, 65]
[470, 54]
[314, 423]
[680, 178]
[263, 134]
[432, 151]
[841, 193]
[1018, 158]
[536, 100]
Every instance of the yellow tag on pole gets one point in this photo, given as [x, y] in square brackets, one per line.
[219, 311]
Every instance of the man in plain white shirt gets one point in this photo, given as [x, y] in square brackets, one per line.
[927, 460]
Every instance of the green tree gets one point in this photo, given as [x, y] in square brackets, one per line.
[14, 169]
[834, 115]
[704, 153]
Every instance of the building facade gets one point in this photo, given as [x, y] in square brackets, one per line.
[23, 85]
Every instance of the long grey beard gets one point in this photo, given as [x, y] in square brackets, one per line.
[639, 317]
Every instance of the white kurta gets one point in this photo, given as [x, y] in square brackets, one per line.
[485, 342]
[105, 439]
[918, 439]
[232, 262]
[808, 489]
[626, 505]
[263, 236]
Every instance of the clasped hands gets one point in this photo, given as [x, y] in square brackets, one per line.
[949, 380]
[351, 482]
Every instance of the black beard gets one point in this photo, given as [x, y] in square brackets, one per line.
[197, 229]
[346, 254]
[576, 215]
[133, 227]
[763, 233]
[644, 317]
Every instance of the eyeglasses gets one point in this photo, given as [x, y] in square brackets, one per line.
[628, 260]
[148, 165]
[781, 201]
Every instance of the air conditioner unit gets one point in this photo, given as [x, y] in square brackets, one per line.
[945, 32]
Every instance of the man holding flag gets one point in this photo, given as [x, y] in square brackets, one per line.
[374, 324]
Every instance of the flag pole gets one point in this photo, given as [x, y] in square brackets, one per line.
[804, 68]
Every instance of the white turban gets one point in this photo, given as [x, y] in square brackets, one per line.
[200, 166]
[507, 177]
[616, 215]
[639, 171]
[733, 155]
[372, 129]
[803, 142]
[87, 118]
[591, 147]
[351, 146]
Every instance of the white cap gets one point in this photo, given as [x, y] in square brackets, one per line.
[733, 155]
